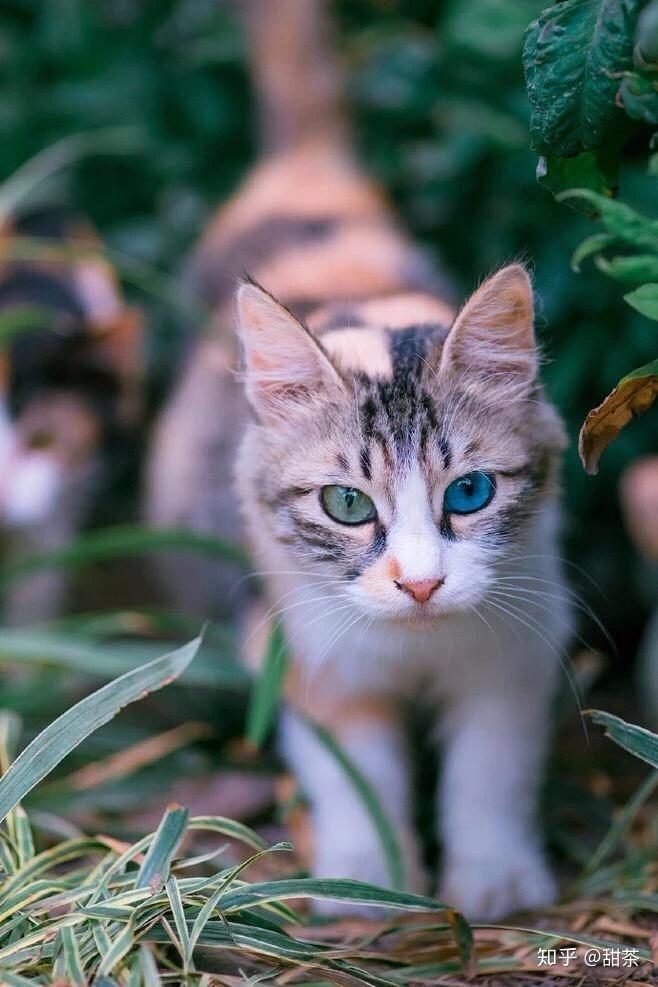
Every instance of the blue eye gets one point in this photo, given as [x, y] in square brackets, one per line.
[469, 493]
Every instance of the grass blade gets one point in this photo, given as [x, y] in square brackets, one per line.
[204, 915]
[230, 828]
[154, 870]
[72, 963]
[55, 856]
[61, 154]
[267, 688]
[329, 889]
[176, 902]
[381, 822]
[63, 735]
[150, 975]
[15, 979]
[120, 946]
[21, 833]
[10, 728]
[620, 825]
[107, 661]
[636, 740]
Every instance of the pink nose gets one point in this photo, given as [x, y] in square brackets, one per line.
[421, 590]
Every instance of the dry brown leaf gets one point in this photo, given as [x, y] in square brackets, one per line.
[632, 396]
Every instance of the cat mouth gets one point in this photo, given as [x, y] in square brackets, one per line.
[420, 617]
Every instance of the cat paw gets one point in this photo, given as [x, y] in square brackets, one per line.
[489, 888]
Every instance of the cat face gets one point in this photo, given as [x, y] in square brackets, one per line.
[402, 464]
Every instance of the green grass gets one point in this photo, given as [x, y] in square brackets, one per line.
[95, 909]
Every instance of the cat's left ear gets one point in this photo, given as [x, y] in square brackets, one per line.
[492, 339]
[286, 368]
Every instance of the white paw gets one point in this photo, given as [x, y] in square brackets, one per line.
[489, 888]
[367, 864]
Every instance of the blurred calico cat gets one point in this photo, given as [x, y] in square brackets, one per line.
[397, 485]
[69, 387]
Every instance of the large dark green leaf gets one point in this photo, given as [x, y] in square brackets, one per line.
[587, 170]
[572, 55]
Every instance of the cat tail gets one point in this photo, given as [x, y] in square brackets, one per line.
[296, 73]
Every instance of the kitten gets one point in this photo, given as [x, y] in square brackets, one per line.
[398, 488]
[68, 389]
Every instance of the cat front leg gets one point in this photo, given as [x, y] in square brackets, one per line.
[345, 841]
[494, 759]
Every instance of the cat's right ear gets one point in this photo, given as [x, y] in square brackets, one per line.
[286, 368]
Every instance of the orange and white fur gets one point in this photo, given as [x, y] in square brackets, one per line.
[378, 418]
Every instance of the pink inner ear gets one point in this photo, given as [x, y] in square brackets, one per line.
[285, 367]
[493, 335]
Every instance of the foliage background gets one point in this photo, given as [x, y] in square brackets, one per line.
[441, 115]
[440, 112]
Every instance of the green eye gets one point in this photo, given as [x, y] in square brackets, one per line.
[347, 505]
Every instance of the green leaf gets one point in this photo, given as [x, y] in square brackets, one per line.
[15, 979]
[266, 692]
[176, 902]
[54, 856]
[69, 730]
[589, 246]
[10, 728]
[75, 973]
[328, 889]
[276, 944]
[120, 946]
[636, 740]
[385, 832]
[206, 912]
[585, 170]
[639, 96]
[572, 55]
[228, 827]
[21, 833]
[619, 219]
[106, 661]
[634, 269]
[154, 870]
[645, 300]
[149, 968]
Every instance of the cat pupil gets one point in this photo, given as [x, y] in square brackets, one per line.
[350, 496]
